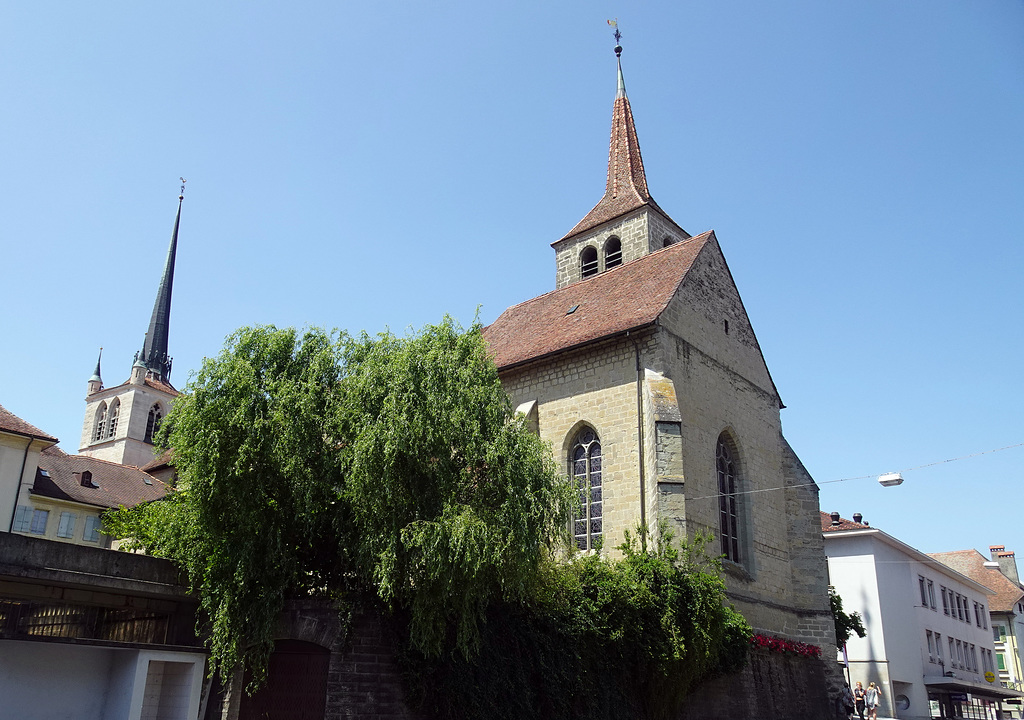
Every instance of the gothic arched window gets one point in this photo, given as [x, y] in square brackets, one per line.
[728, 499]
[585, 468]
[101, 421]
[612, 253]
[588, 262]
[115, 410]
[153, 423]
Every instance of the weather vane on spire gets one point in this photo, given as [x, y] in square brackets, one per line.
[618, 36]
[181, 195]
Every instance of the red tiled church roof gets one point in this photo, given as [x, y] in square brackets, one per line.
[627, 297]
[9, 422]
[113, 484]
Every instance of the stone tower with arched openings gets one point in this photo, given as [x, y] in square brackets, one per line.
[120, 421]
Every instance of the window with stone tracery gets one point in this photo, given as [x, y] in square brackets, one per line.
[153, 423]
[115, 411]
[728, 499]
[585, 468]
[101, 421]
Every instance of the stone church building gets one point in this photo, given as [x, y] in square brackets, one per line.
[642, 371]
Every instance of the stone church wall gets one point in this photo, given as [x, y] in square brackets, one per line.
[596, 387]
[770, 687]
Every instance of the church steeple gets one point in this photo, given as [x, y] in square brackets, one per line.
[154, 352]
[626, 188]
[626, 224]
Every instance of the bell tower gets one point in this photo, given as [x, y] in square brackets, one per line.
[626, 224]
[121, 421]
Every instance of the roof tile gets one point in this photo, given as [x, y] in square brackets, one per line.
[117, 484]
[9, 422]
[629, 296]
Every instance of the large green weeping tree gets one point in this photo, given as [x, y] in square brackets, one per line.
[320, 463]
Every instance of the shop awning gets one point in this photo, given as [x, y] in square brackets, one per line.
[955, 684]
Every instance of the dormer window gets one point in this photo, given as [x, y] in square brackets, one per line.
[612, 253]
[588, 262]
[87, 479]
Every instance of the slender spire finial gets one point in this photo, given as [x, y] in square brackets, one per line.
[618, 36]
[181, 195]
[96, 377]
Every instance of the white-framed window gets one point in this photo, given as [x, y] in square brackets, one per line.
[938, 648]
[960, 654]
[931, 645]
[66, 528]
[585, 468]
[967, 612]
[32, 521]
[984, 618]
[974, 658]
[945, 600]
[22, 518]
[923, 588]
[92, 528]
[952, 652]
[931, 595]
[959, 606]
[39, 521]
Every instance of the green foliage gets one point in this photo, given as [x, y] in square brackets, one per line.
[316, 463]
[320, 463]
[598, 638]
[846, 623]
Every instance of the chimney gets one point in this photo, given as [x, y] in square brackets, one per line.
[858, 518]
[1007, 566]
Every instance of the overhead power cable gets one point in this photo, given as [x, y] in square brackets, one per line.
[862, 477]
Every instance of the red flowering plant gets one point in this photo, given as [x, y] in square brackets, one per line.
[785, 647]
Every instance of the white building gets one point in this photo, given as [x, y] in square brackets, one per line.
[928, 644]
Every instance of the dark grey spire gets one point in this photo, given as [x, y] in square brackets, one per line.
[154, 352]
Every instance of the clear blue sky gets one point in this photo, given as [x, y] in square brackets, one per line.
[372, 165]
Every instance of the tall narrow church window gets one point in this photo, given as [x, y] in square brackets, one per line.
[101, 421]
[153, 423]
[115, 410]
[728, 500]
[585, 467]
[612, 253]
[588, 262]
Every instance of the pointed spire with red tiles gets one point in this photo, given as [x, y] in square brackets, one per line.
[626, 189]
